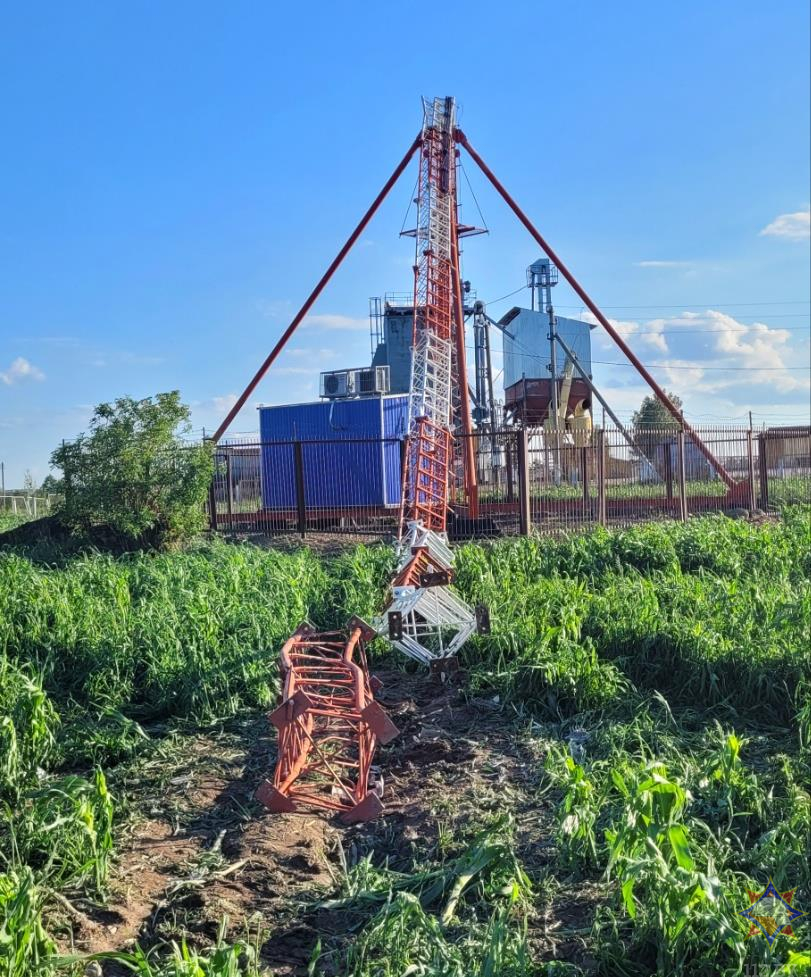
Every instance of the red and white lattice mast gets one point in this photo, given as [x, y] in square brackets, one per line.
[430, 403]
[425, 619]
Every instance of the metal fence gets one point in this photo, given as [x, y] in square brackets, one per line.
[528, 480]
[25, 506]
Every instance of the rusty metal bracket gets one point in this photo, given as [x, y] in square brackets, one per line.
[482, 619]
[395, 625]
[436, 578]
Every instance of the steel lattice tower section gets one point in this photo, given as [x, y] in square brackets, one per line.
[425, 619]
[430, 439]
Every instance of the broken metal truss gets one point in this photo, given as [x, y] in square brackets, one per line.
[329, 726]
[425, 619]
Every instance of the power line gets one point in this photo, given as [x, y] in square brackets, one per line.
[677, 305]
[701, 366]
[509, 295]
[701, 305]
[667, 366]
[475, 201]
[686, 332]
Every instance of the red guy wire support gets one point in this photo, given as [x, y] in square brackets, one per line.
[353, 237]
[461, 138]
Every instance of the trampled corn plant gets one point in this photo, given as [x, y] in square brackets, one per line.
[357, 583]
[783, 847]
[194, 633]
[403, 940]
[684, 922]
[578, 811]
[487, 867]
[667, 884]
[25, 947]
[64, 831]
[727, 788]
[103, 737]
[537, 654]
[650, 821]
[27, 730]
[459, 917]
[177, 959]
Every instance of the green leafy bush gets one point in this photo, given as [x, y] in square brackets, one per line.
[134, 474]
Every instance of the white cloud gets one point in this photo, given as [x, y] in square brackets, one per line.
[223, 404]
[334, 321]
[650, 333]
[713, 352]
[125, 357]
[663, 264]
[275, 308]
[792, 227]
[21, 369]
[653, 334]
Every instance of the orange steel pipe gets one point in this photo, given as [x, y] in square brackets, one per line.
[462, 139]
[319, 288]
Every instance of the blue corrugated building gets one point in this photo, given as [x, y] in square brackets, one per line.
[351, 452]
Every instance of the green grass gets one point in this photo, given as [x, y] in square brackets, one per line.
[10, 520]
[662, 671]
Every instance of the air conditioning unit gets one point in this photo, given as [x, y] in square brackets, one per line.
[338, 383]
[355, 383]
[373, 380]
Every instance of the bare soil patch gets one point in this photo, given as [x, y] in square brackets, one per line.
[198, 847]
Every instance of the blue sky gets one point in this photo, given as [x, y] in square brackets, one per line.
[176, 176]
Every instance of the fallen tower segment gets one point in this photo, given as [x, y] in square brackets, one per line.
[329, 726]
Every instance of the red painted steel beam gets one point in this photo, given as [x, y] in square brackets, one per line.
[462, 139]
[319, 288]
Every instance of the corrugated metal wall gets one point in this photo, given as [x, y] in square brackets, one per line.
[526, 348]
[345, 460]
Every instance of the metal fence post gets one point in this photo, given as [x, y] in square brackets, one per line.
[584, 474]
[751, 460]
[508, 460]
[668, 472]
[212, 503]
[524, 516]
[229, 490]
[601, 476]
[763, 466]
[301, 506]
[682, 476]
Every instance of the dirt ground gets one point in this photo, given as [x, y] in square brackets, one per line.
[197, 847]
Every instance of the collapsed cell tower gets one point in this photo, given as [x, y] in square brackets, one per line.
[328, 721]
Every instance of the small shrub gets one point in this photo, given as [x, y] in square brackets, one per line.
[134, 474]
